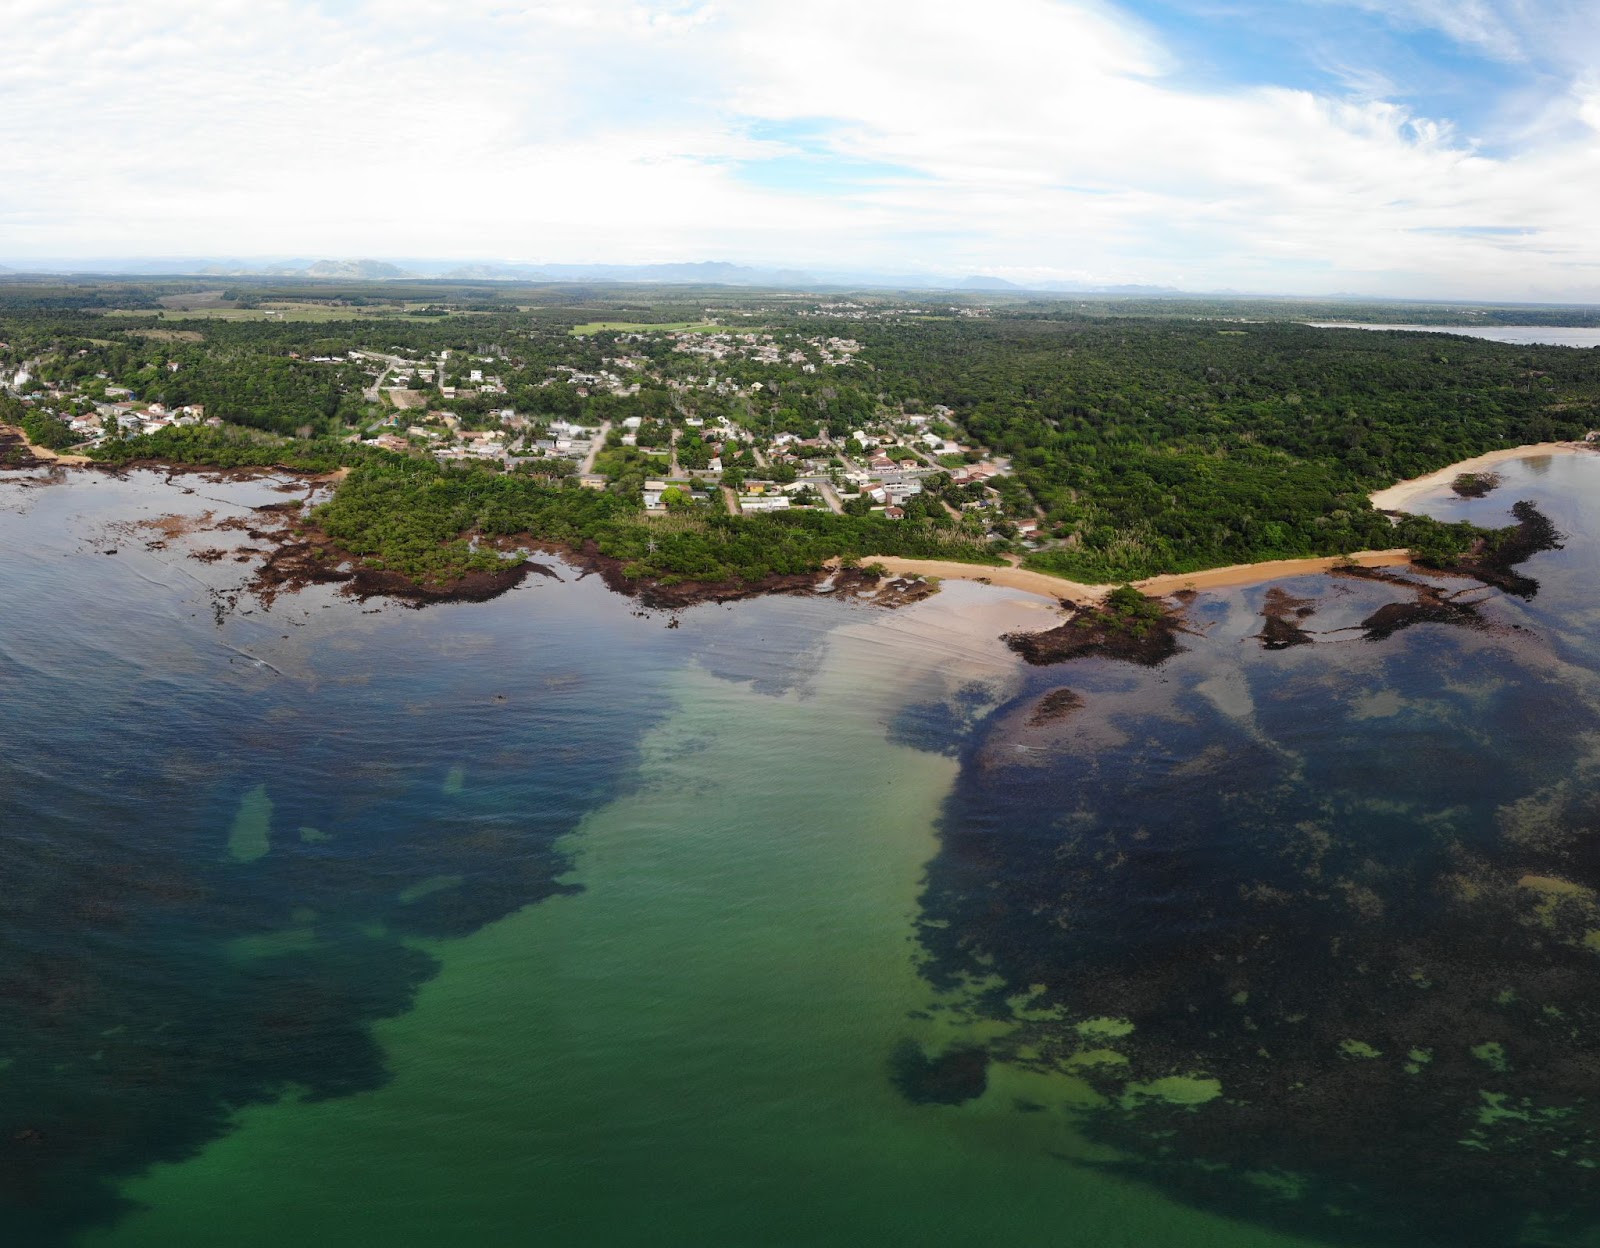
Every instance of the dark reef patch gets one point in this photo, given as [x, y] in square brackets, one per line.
[954, 1077]
[297, 554]
[1430, 604]
[1475, 484]
[942, 726]
[1128, 626]
[1342, 984]
[1055, 706]
[1495, 558]
[1281, 614]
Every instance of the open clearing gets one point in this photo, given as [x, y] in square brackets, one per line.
[307, 312]
[638, 327]
[168, 335]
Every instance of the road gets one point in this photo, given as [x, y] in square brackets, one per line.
[390, 364]
[925, 457]
[587, 466]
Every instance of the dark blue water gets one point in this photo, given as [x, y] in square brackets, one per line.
[222, 842]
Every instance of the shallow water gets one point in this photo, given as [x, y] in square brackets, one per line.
[1337, 899]
[536, 921]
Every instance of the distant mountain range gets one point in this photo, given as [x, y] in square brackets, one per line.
[698, 273]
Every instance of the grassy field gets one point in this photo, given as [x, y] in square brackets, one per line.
[636, 327]
[307, 312]
[168, 335]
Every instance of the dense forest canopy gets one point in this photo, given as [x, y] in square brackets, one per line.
[1169, 446]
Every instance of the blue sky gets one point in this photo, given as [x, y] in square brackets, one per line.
[1334, 49]
[1400, 147]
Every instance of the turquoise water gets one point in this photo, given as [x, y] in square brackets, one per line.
[536, 921]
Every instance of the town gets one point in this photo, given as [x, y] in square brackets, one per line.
[680, 419]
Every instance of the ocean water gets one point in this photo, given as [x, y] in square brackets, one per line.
[537, 921]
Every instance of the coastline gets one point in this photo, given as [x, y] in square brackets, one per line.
[1392, 498]
[1008, 577]
[1396, 497]
[1401, 494]
[1045, 585]
[1271, 570]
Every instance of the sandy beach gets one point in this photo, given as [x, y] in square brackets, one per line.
[1402, 494]
[1271, 570]
[1211, 578]
[1010, 577]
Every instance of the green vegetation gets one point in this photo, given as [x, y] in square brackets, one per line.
[42, 427]
[416, 517]
[1125, 610]
[234, 448]
[410, 515]
[1141, 436]
[1157, 447]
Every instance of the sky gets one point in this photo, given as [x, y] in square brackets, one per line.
[1411, 148]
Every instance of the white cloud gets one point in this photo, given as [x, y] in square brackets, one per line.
[1046, 138]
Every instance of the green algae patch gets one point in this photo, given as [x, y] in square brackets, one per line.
[426, 888]
[1096, 1057]
[298, 937]
[1492, 1054]
[1554, 886]
[1023, 1007]
[250, 837]
[1359, 1049]
[314, 836]
[1174, 1090]
[1555, 898]
[270, 944]
[1278, 1183]
[1104, 1028]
